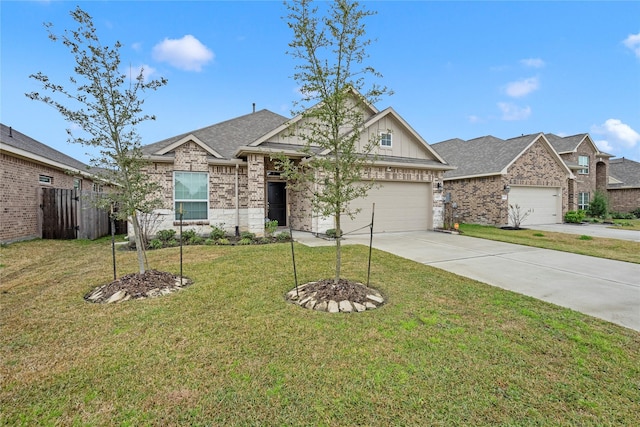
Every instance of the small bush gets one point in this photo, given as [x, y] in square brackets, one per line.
[217, 232]
[622, 215]
[574, 217]
[172, 242]
[333, 233]
[210, 242]
[188, 235]
[265, 240]
[156, 244]
[270, 227]
[195, 240]
[636, 212]
[165, 235]
[599, 205]
[585, 237]
[247, 235]
[245, 241]
[223, 241]
[283, 237]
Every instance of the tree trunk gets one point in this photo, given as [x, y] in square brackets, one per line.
[338, 249]
[138, 240]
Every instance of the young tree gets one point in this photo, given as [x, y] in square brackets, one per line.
[330, 51]
[106, 105]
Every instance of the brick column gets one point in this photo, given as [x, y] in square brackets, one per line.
[256, 186]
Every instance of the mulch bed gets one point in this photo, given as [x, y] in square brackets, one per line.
[138, 285]
[343, 290]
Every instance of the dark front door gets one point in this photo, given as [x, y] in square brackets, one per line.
[277, 202]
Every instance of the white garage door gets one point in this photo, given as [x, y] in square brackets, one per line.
[546, 203]
[400, 206]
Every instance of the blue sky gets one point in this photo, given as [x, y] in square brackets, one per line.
[457, 69]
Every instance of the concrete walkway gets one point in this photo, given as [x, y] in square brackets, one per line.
[602, 288]
[593, 230]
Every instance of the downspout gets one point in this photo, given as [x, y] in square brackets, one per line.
[237, 203]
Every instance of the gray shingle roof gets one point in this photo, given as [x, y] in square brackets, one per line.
[625, 170]
[226, 137]
[565, 144]
[486, 155]
[13, 138]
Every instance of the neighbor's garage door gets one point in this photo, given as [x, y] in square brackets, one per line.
[545, 202]
[400, 206]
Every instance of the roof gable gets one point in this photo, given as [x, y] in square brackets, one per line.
[189, 138]
[626, 172]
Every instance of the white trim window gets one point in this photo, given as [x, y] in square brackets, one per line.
[191, 192]
[45, 179]
[77, 184]
[385, 139]
[584, 162]
[583, 201]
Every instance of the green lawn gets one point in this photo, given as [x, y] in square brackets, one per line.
[621, 250]
[229, 350]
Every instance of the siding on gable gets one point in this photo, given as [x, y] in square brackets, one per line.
[403, 143]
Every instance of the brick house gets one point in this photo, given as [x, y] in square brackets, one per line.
[623, 186]
[223, 175]
[27, 167]
[493, 174]
[589, 165]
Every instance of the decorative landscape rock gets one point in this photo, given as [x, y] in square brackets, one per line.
[344, 297]
[150, 284]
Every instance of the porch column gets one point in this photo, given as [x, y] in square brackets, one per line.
[256, 187]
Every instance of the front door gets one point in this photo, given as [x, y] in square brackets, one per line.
[277, 202]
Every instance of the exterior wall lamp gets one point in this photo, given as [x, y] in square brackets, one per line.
[507, 188]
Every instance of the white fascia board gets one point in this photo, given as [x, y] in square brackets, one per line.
[189, 138]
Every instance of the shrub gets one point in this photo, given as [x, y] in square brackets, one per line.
[622, 215]
[245, 241]
[165, 235]
[517, 215]
[574, 217]
[247, 235]
[270, 227]
[156, 244]
[599, 205]
[188, 236]
[332, 232]
[585, 237]
[265, 240]
[172, 242]
[196, 240]
[283, 237]
[224, 241]
[636, 213]
[217, 232]
[209, 242]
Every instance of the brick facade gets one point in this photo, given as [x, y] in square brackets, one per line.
[19, 196]
[624, 199]
[586, 183]
[483, 200]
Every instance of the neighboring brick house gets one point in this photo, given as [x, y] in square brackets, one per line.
[28, 166]
[223, 175]
[624, 185]
[493, 174]
[589, 165]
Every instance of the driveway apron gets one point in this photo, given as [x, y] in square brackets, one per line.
[602, 288]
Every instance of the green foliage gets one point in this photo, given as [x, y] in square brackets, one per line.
[585, 237]
[210, 242]
[156, 244]
[217, 232]
[247, 235]
[333, 233]
[223, 241]
[283, 237]
[172, 243]
[270, 227]
[188, 236]
[538, 234]
[166, 235]
[105, 105]
[245, 241]
[622, 215]
[599, 206]
[575, 217]
[636, 212]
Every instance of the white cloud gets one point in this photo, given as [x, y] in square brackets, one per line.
[472, 118]
[617, 133]
[186, 53]
[512, 112]
[522, 88]
[533, 62]
[134, 72]
[137, 46]
[604, 145]
[633, 43]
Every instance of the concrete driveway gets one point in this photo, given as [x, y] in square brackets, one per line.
[593, 230]
[602, 288]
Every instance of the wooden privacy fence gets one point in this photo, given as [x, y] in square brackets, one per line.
[71, 214]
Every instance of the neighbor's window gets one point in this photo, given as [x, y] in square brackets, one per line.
[385, 139]
[584, 162]
[45, 179]
[97, 188]
[583, 201]
[191, 190]
[77, 183]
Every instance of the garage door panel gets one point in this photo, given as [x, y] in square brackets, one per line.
[545, 202]
[399, 206]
